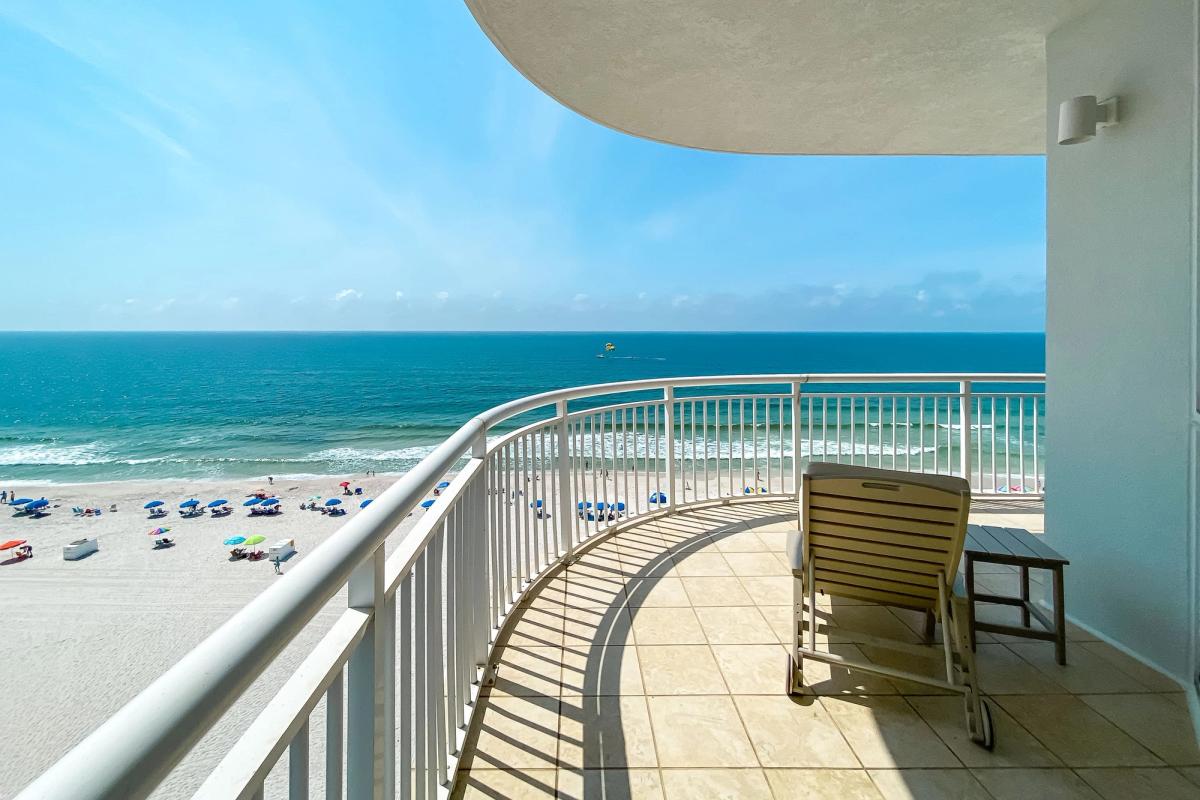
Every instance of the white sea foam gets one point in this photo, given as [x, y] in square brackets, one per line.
[54, 455]
[350, 454]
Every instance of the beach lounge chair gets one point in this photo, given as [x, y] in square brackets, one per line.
[892, 538]
[77, 511]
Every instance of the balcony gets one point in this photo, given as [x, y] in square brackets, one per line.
[597, 600]
[654, 666]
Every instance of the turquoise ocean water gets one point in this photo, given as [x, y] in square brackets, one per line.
[80, 407]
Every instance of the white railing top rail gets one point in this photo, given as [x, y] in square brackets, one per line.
[136, 748]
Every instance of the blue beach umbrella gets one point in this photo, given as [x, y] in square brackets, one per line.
[365, 503]
[217, 503]
[619, 506]
[34, 505]
[153, 504]
[536, 504]
[333, 501]
[426, 503]
[189, 503]
[582, 504]
[271, 501]
[253, 501]
[443, 484]
[234, 540]
[22, 501]
[658, 497]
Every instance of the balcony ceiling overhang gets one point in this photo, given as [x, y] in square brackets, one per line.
[793, 76]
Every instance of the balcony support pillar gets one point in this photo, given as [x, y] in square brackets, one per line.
[964, 438]
[370, 747]
[669, 419]
[567, 519]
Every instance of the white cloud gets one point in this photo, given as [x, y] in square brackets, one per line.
[441, 296]
[347, 294]
[230, 303]
[130, 301]
[298, 300]
[164, 305]
[680, 300]
[399, 295]
[922, 295]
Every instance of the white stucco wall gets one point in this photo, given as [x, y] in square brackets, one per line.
[1121, 310]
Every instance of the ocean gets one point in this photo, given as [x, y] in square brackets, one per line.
[84, 407]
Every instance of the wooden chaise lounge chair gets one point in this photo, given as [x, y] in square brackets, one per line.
[892, 538]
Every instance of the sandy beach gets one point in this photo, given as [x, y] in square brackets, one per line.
[81, 638]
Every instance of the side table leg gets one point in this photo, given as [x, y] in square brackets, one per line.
[1060, 621]
[1025, 596]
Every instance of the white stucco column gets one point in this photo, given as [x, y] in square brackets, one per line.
[1121, 330]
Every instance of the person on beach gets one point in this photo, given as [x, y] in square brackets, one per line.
[4, 496]
[278, 569]
[270, 480]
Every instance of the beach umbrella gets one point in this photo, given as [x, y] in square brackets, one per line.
[333, 501]
[153, 504]
[620, 506]
[582, 504]
[426, 503]
[536, 504]
[234, 540]
[217, 503]
[271, 501]
[443, 485]
[365, 503]
[253, 501]
[157, 531]
[256, 539]
[658, 497]
[21, 502]
[344, 484]
[11, 543]
[189, 503]
[34, 505]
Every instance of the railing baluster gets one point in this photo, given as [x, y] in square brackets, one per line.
[436, 649]
[333, 739]
[1021, 441]
[1037, 475]
[405, 607]
[452, 612]
[422, 614]
[298, 765]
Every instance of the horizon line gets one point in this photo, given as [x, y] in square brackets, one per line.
[515, 330]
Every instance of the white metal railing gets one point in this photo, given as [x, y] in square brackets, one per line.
[400, 670]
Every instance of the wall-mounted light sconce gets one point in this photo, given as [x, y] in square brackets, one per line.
[1079, 117]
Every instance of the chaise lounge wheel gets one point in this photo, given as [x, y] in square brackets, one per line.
[795, 679]
[981, 730]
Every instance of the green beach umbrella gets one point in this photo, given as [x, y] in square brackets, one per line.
[256, 540]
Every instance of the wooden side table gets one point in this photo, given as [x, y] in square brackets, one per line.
[1019, 548]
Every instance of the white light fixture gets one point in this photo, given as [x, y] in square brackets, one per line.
[1079, 117]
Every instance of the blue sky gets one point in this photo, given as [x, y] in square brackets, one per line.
[308, 165]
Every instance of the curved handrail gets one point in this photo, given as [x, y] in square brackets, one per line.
[132, 751]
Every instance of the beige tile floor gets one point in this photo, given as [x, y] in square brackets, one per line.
[654, 668]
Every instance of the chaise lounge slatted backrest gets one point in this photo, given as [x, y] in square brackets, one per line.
[882, 535]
